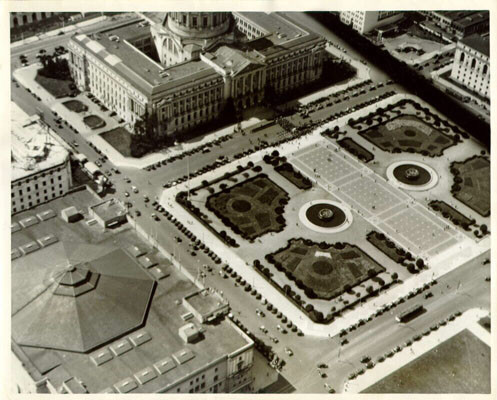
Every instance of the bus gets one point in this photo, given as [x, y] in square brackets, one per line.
[410, 313]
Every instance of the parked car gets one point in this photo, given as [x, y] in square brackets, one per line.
[288, 351]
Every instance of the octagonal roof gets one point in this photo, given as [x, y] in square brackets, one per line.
[83, 305]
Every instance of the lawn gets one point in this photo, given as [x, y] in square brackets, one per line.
[407, 133]
[486, 323]
[251, 208]
[451, 213]
[328, 269]
[56, 87]
[472, 183]
[356, 149]
[94, 122]
[120, 139]
[75, 106]
[458, 365]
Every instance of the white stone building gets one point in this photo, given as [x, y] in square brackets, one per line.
[366, 21]
[41, 169]
[471, 66]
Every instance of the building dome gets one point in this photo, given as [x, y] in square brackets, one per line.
[198, 25]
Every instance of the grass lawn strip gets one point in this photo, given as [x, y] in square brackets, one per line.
[458, 365]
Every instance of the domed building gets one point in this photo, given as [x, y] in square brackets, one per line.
[182, 36]
[181, 69]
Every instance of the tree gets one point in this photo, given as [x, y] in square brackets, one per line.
[483, 228]
[420, 263]
[395, 276]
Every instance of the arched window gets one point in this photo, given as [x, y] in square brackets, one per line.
[24, 19]
[33, 17]
[473, 63]
[462, 57]
[485, 69]
[43, 15]
[16, 22]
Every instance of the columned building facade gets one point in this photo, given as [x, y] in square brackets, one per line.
[205, 60]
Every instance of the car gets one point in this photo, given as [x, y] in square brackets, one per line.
[135, 189]
[322, 374]
[138, 213]
[274, 339]
[98, 163]
[322, 365]
[126, 194]
[146, 199]
[288, 351]
[263, 329]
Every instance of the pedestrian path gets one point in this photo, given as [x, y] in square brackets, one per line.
[55, 32]
[440, 264]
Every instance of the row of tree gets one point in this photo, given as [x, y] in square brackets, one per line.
[408, 77]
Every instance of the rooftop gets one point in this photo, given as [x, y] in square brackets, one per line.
[33, 149]
[472, 19]
[205, 302]
[113, 48]
[109, 209]
[479, 43]
[119, 364]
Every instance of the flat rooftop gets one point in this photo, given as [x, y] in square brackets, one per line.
[109, 209]
[33, 149]
[205, 302]
[284, 32]
[156, 342]
[113, 48]
[479, 43]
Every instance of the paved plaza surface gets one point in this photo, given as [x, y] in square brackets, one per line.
[456, 258]
[386, 207]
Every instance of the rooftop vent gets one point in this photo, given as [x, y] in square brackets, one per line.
[114, 38]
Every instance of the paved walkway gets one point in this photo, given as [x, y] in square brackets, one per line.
[444, 262]
[55, 32]
[362, 75]
[468, 320]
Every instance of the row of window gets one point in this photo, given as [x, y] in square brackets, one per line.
[22, 198]
[37, 201]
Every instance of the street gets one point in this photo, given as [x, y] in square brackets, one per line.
[461, 289]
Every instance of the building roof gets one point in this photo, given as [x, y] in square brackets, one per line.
[121, 363]
[83, 305]
[473, 19]
[284, 33]
[33, 149]
[146, 75]
[479, 43]
[114, 49]
[109, 209]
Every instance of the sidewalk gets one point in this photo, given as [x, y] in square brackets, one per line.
[55, 32]
[468, 320]
[119, 160]
[362, 75]
[466, 249]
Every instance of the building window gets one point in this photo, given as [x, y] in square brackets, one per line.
[473, 63]
[194, 23]
[215, 378]
[202, 385]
